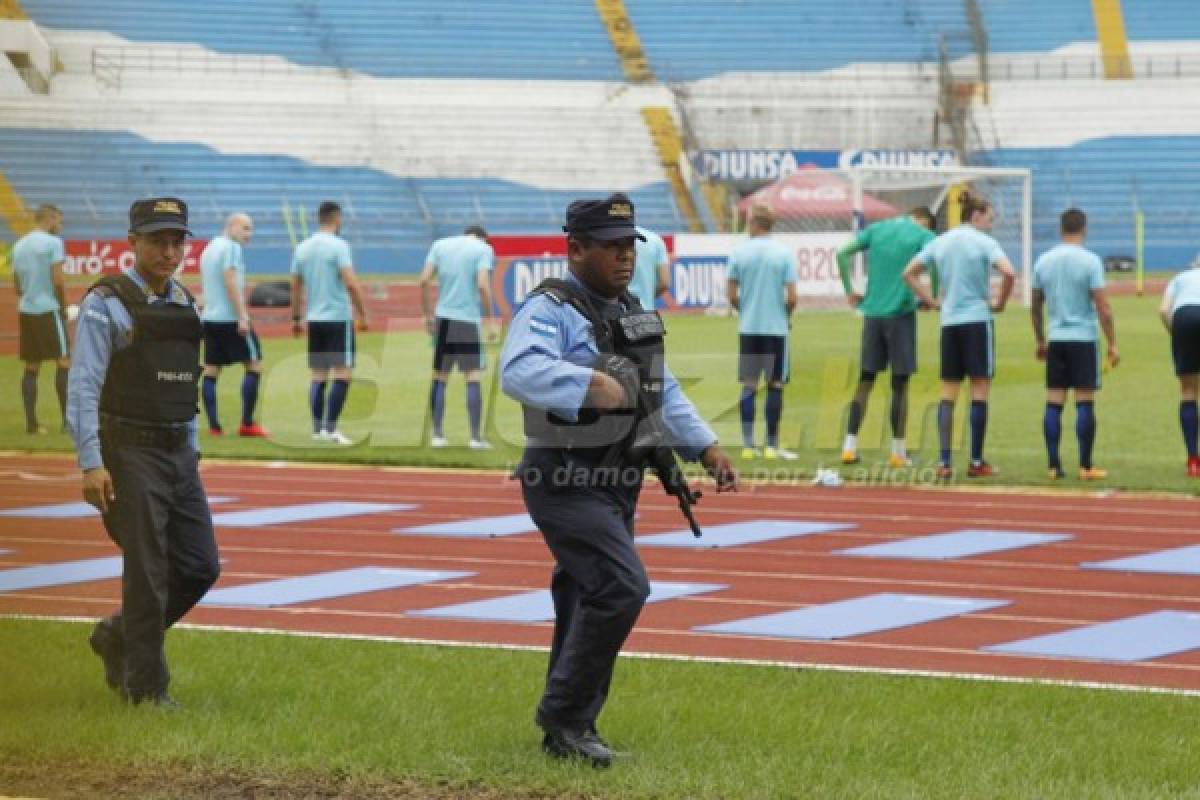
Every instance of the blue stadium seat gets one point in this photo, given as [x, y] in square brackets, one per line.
[1108, 178]
[401, 38]
[390, 221]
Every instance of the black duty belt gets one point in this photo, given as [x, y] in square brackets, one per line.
[129, 433]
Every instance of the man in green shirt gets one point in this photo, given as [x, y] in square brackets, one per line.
[888, 307]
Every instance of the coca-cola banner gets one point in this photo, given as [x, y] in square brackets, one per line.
[105, 256]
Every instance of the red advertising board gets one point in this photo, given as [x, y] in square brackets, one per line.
[105, 256]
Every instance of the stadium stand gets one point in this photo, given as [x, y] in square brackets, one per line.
[449, 39]
[390, 220]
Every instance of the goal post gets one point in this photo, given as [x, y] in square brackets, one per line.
[843, 200]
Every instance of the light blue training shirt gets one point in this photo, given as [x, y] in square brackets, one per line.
[762, 268]
[221, 254]
[33, 259]
[649, 254]
[547, 363]
[457, 262]
[963, 258]
[318, 261]
[1184, 289]
[1067, 274]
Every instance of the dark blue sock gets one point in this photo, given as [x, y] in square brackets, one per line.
[1052, 428]
[747, 409]
[773, 410]
[474, 407]
[1085, 431]
[1188, 420]
[316, 400]
[60, 386]
[437, 405]
[945, 429]
[979, 411]
[208, 391]
[29, 398]
[249, 396]
[337, 399]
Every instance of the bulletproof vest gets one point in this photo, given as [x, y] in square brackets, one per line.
[154, 379]
[626, 329]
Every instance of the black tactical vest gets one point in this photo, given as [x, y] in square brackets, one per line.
[154, 379]
[626, 329]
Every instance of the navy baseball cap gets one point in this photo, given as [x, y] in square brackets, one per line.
[603, 220]
[158, 214]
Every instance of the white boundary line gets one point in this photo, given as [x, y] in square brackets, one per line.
[794, 665]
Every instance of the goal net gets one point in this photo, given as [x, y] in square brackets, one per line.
[826, 206]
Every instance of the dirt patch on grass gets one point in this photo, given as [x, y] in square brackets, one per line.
[80, 780]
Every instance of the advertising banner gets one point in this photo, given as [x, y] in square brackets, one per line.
[699, 273]
[771, 165]
[108, 256]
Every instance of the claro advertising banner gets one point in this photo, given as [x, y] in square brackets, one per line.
[110, 256]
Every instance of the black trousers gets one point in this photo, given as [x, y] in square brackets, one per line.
[599, 584]
[161, 521]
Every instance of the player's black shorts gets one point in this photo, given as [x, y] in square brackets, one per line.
[330, 344]
[43, 336]
[1185, 339]
[1072, 365]
[456, 343]
[968, 351]
[223, 345]
[890, 341]
[763, 355]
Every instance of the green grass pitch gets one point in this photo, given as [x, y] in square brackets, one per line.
[1137, 409]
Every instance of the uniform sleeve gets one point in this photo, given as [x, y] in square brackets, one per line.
[1038, 282]
[345, 258]
[734, 271]
[789, 267]
[431, 256]
[928, 255]
[534, 370]
[687, 432]
[487, 260]
[236, 259]
[995, 253]
[660, 250]
[1172, 289]
[89, 364]
[58, 252]
[295, 268]
[1096, 278]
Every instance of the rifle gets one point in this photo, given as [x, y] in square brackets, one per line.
[645, 443]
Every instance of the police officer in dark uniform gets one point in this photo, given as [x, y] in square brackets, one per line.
[131, 409]
[586, 362]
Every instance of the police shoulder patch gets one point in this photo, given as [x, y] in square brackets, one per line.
[543, 327]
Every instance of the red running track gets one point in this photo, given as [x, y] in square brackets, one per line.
[1047, 590]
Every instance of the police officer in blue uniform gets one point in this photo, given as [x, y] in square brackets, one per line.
[567, 360]
[131, 409]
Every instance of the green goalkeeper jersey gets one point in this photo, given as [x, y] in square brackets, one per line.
[891, 243]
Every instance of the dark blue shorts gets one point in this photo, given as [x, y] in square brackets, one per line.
[43, 337]
[223, 345]
[456, 344]
[1072, 365]
[763, 355]
[331, 344]
[1185, 339]
[968, 351]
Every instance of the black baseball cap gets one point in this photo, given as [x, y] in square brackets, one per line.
[158, 214]
[603, 220]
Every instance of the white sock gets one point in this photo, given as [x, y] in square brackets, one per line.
[851, 443]
[898, 448]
